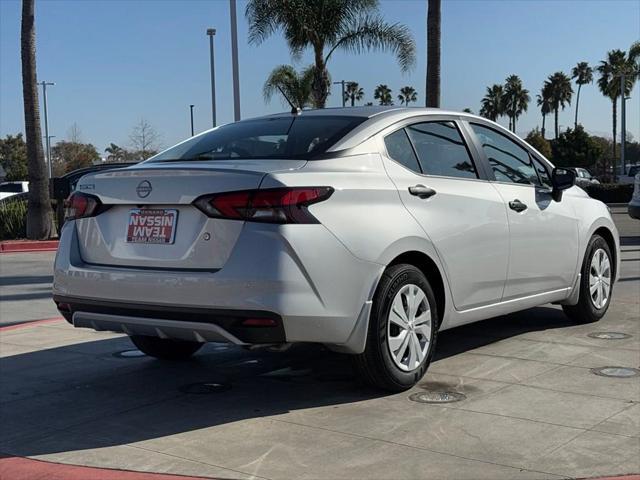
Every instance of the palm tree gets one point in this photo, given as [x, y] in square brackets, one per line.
[296, 87]
[492, 105]
[115, 153]
[433, 54]
[407, 95]
[515, 100]
[610, 70]
[583, 74]
[39, 213]
[467, 110]
[382, 93]
[350, 25]
[353, 93]
[543, 99]
[560, 91]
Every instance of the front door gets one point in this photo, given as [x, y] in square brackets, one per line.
[461, 213]
[544, 233]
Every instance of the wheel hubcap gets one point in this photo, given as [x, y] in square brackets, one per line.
[409, 327]
[600, 278]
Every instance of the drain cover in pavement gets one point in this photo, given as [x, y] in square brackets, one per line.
[129, 354]
[617, 372]
[437, 397]
[205, 388]
[609, 335]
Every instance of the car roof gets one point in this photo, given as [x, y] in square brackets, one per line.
[369, 111]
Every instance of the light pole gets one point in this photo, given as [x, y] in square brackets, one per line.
[623, 124]
[234, 60]
[212, 32]
[191, 111]
[46, 124]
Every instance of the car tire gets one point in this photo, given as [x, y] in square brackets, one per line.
[595, 292]
[164, 348]
[378, 365]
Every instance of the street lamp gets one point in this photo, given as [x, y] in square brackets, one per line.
[343, 83]
[211, 32]
[191, 111]
[46, 124]
[234, 60]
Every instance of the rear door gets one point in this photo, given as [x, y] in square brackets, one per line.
[447, 192]
[543, 252]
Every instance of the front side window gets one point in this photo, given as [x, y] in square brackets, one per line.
[290, 137]
[509, 161]
[441, 150]
[399, 148]
[543, 173]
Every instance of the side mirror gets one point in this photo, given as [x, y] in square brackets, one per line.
[561, 179]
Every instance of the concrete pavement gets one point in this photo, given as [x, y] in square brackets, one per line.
[533, 407]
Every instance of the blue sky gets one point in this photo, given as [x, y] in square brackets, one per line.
[117, 61]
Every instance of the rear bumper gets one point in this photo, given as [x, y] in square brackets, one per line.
[299, 275]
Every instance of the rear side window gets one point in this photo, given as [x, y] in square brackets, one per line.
[509, 161]
[399, 148]
[290, 137]
[441, 150]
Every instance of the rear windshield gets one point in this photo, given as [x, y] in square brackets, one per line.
[291, 137]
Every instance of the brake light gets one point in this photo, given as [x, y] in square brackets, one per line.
[274, 205]
[80, 205]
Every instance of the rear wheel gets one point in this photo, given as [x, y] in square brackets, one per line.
[402, 330]
[164, 348]
[596, 283]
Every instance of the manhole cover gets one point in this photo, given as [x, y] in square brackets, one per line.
[129, 354]
[205, 388]
[437, 397]
[609, 335]
[617, 372]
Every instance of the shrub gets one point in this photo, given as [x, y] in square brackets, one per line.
[13, 217]
[537, 141]
[610, 192]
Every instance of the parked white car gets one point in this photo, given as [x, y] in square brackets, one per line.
[365, 229]
[9, 189]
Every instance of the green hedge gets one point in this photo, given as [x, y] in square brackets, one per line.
[611, 192]
[13, 217]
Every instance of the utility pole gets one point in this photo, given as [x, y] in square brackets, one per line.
[46, 125]
[211, 32]
[342, 82]
[234, 60]
[191, 111]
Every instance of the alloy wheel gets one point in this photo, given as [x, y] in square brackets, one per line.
[600, 279]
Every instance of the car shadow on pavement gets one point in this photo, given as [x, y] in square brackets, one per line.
[85, 396]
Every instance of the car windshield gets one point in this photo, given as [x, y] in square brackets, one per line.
[290, 137]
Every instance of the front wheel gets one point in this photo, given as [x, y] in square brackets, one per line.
[402, 330]
[165, 348]
[596, 283]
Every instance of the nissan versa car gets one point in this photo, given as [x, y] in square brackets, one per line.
[365, 229]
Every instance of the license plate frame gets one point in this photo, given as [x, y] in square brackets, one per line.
[153, 229]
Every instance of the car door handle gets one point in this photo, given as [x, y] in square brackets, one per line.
[517, 205]
[421, 191]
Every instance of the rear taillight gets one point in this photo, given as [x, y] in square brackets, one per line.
[274, 205]
[80, 205]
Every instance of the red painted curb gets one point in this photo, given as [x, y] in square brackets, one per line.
[20, 468]
[30, 323]
[13, 246]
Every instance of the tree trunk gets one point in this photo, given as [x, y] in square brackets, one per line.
[353, 100]
[320, 79]
[575, 123]
[555, 114]
[39, 214]
[543, 130]
[613, 157]
[514, 123]
[433, 54]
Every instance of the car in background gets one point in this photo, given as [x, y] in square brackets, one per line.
[366, 229]
[584, 177]
[629, 176]
[634, 204]
[9, 189]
